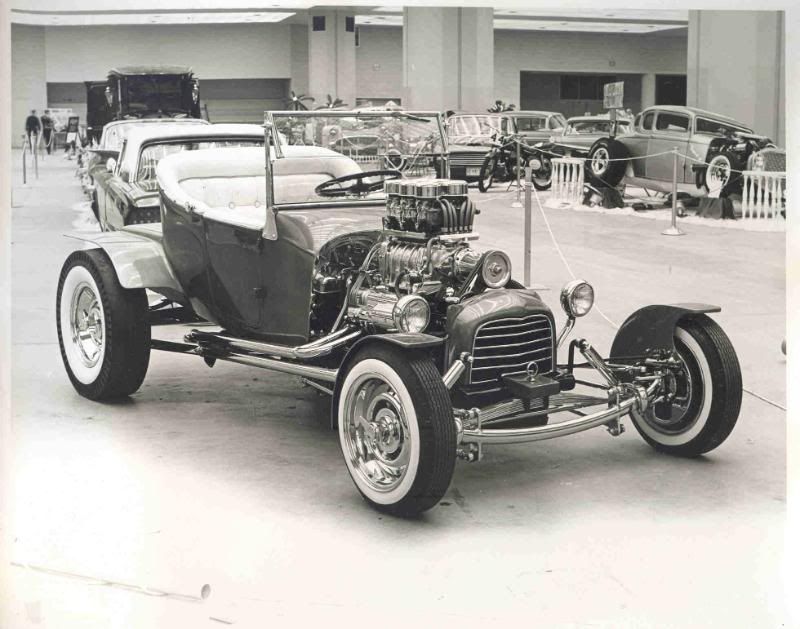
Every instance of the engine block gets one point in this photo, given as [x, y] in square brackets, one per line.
[428, 206]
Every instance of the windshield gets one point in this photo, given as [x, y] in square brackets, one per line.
[595, 127]
[162, 93]
[322, 146]
[151, 154]
[532, 123]
[474, 129]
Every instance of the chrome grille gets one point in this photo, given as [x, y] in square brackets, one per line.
[505, 346]
[467, 159]
[774, 160]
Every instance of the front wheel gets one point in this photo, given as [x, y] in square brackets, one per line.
[103, 330]
[488, 168]
[542, 177]
[607, 161]
[396, 430]
[703, 400]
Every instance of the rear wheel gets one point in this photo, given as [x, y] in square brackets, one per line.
[705, 397]
[396, 430]
[488, 168]
[103, 331]
[607, 161]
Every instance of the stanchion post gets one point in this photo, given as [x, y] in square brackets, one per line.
[35, 157]
[518, 202]
[528, 227]
[673, 229]
[25, 159]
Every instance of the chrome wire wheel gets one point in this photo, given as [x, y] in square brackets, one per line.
[86, 324]
[718, 173]
[600, 161]
[376, 433]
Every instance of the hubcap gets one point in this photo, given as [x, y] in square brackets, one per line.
[600, 161]
[86, 322]
[377, 436]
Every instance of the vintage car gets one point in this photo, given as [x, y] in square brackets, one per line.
[712, 151]
[141, 92]
[537, 126]
[574, 140]
[368, 286]
[472, 136]
[109, 145]
[129, 195]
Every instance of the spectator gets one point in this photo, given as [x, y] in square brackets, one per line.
[47, 129]
[32, 127]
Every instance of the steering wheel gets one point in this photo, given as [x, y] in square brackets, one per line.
[335, 187]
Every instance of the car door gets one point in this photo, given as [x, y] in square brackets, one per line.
[638, 141]
[671, 130]
[234, 272]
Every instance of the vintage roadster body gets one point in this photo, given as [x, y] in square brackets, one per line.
[367, 285]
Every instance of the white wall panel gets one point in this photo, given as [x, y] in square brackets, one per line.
[582, 53]
[214, 51]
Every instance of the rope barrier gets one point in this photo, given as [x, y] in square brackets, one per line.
[603, 315]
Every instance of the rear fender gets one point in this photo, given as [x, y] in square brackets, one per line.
[653, 328]
[404, 341]
[139, 261]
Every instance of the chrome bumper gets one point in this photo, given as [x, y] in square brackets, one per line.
[485, 436]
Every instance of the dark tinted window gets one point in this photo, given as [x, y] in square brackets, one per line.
[584, 87]
[672, 123]
[318, 23]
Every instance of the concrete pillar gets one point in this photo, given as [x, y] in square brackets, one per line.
[448, 58]
[648, 90]
[743, 76]
[332, 56]
[28, 76]
[298, 43]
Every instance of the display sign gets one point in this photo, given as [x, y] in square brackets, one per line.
[612, 95]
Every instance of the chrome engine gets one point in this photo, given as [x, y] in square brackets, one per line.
[422, 255]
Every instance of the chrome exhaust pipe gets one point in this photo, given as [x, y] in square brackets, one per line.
[305, 371]
[316, 349]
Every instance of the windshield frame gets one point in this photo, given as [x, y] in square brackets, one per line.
[274, 151]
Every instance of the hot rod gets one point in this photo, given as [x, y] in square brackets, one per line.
[367, 285]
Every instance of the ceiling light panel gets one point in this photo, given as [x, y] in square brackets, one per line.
[95, 19]
[582, 27]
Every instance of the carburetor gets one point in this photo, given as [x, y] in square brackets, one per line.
[428, 206]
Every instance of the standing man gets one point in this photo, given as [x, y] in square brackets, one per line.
[32, 127]
[47, 129]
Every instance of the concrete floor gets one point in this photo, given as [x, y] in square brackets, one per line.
[230, 477]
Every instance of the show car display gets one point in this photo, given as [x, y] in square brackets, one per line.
[129, 193]
[712, 151]
[367, 284]
[141, 92]
[109, 145]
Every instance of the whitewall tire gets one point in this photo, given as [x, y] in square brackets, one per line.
[706, 400]
[396, 430]
[103, 330]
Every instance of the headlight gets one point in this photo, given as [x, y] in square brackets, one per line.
[411, 314]
[577, 298]
[496, 269]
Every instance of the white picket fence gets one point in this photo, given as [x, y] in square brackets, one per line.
[763, 195]
[567, 184]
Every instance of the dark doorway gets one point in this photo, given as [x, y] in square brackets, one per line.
[671, 89]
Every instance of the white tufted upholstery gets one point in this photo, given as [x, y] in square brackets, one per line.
[230, 184]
